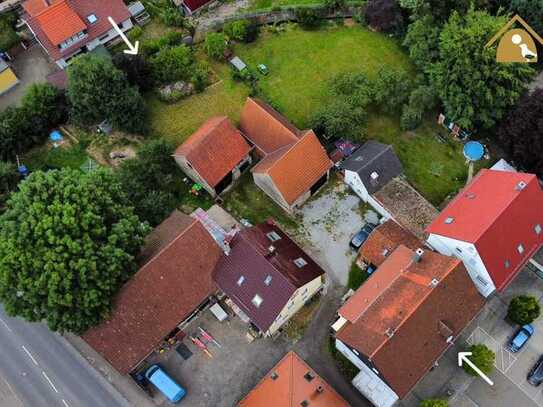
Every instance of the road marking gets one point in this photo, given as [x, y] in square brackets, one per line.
[49, 380]
[6, 325]
[64, 402]
[29, 355]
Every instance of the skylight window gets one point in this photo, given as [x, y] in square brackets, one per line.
[449, 220]
[273, 236]
[257, 300]
[507, 264]
[537, 229]
[241, 280]
[300, 262]
[92, 18]
[268, 280]
[520, 249]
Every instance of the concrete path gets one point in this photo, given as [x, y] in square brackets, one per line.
[45, 371]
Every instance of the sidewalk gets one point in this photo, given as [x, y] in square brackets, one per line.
[123, 384]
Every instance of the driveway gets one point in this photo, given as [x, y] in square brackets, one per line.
[330, 220]
[509, 376]
[31, 66]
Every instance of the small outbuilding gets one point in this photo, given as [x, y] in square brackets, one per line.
[8, 80]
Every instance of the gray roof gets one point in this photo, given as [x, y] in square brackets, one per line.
[3, 65]
[374, 157]
[136, 8]
[238, 63]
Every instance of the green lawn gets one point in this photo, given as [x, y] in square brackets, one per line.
[356, 276]
[268, 4]
[44, 157]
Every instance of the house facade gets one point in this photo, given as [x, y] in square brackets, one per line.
[293, 166]
[267, 277]
[402, 319]
[215, 155]
[68, 28]
[494, 225]
[8, 80]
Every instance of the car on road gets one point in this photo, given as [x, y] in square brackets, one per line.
[362, 236]
[521, 337]
[535, 377]
[163, 382]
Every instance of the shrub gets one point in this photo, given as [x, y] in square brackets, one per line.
[356, 88]
[135, 33]
[482, 357]
[308, 17]
[172, 64]
[411, 118]
[434, 403]
[200, 77]
[391, 89]
[8, 36]
[335, 4]
[151, 47]
[241, 30]
[523, 309]
[215, 45]
[171, 17]
[339, 119]
[385, 16]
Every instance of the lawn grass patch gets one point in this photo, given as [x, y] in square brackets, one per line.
[297, 325]
[356, 276]
[248, 201]
[44, 157]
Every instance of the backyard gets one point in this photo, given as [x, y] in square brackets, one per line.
[300, 64]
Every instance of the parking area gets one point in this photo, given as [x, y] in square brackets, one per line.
[509, 376]
[330, 220]
[31, 66]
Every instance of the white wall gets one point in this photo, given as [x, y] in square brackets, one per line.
[353, 180]
[467, 252]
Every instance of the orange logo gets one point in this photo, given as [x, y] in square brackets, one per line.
[517, 44]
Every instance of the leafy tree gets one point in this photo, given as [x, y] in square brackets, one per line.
[440, 10]
[241, 30]
[136, 68]
[422, 40]
[335, 4]
[422, 99]
[153, 181]
[8, 36]
[482, 357]
[16, 132]
[355, 88]
[215, 45]
[340, 119]
[67, 243]
[434, 403]
[523, 309]
[520, 132]
[391, 89]
[475, 90]
[384, 15]
[172, 64]
[531, 11]
[307, 17]
[171, 16]
[45, 106]
[97, 91]
[9, 178]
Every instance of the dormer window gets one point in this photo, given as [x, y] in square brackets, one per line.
[72, 40]
[273, 236]
[300, 262]
[92, 19]
[241, 280]
[537, 229]
[268, 280]
[257, 300]
[520, 249]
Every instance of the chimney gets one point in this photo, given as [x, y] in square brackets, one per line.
[271, 251]
[320, 389]
[418, 255]
[374, 176]
[520, 186]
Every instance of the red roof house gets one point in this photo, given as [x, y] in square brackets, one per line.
[66, 28]
[403, 318]
[494, 225]
[294, 164]
[215, 155]
[173, 281]
[191, 6]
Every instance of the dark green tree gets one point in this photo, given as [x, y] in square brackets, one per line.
[8, 36]
[422, 41]
[309, 18]
[385, 16]
[67, 243]
[45, 105]
[136, 68]
[9, 178]
[475, 90]
[340, 119]
[172, 64]
[215, 45]
[531, 11]
[523, 309]
[98, 91]
[482, 357]
[355, 88]
[391, 89]
[153, 181]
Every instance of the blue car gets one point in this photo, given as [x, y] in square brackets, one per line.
[521, 337]
[163, 382]
[361, 236]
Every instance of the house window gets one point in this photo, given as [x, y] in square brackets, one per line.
[92, 19]
[520, 249]
[459, 250]
[273, 236]
[257, 300]
[268, 280]
[300, 262]
[537, 229]
[507, 264]
[481, 280]
[355, 352]
[241, 280]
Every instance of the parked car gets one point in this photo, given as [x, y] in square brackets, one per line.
[535, 377]
[362, 236]
[163, 382]
[520, 338]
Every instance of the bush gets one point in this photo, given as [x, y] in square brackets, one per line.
[9, 178]
[171, 17]
[200, 77]
[421, 100]
[523, 309]
[171, 39]
[307, 17]
[339, 119]
[356, 88]
[172, 64]
[391, 89]
[8, 36]
[135, 33]
[215, 45]
[335, 4]
[385, 16]
[434, 403]
[482, 357]
[411, 118]
[241, 30]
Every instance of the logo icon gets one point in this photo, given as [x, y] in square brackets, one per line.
[517, 44]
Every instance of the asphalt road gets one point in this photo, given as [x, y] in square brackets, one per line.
[44, 371]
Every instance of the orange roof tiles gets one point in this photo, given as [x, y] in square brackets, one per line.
[384, 240]
[60, 22]
[291, 388]
[297, 168]
[175, 278]
[400, 328]
[215, 149]
[266, 128]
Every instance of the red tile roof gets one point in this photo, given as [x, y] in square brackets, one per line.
[175, 278]
[403, 328]
[496, 216]
[49, 32]
[249, 257]
[291, 388]
[384, 240]
[296, 168]
[194, 5]
[265, 128]
[214, 149]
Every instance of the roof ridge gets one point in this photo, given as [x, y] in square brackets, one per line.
[288, 148]
[260, 105]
